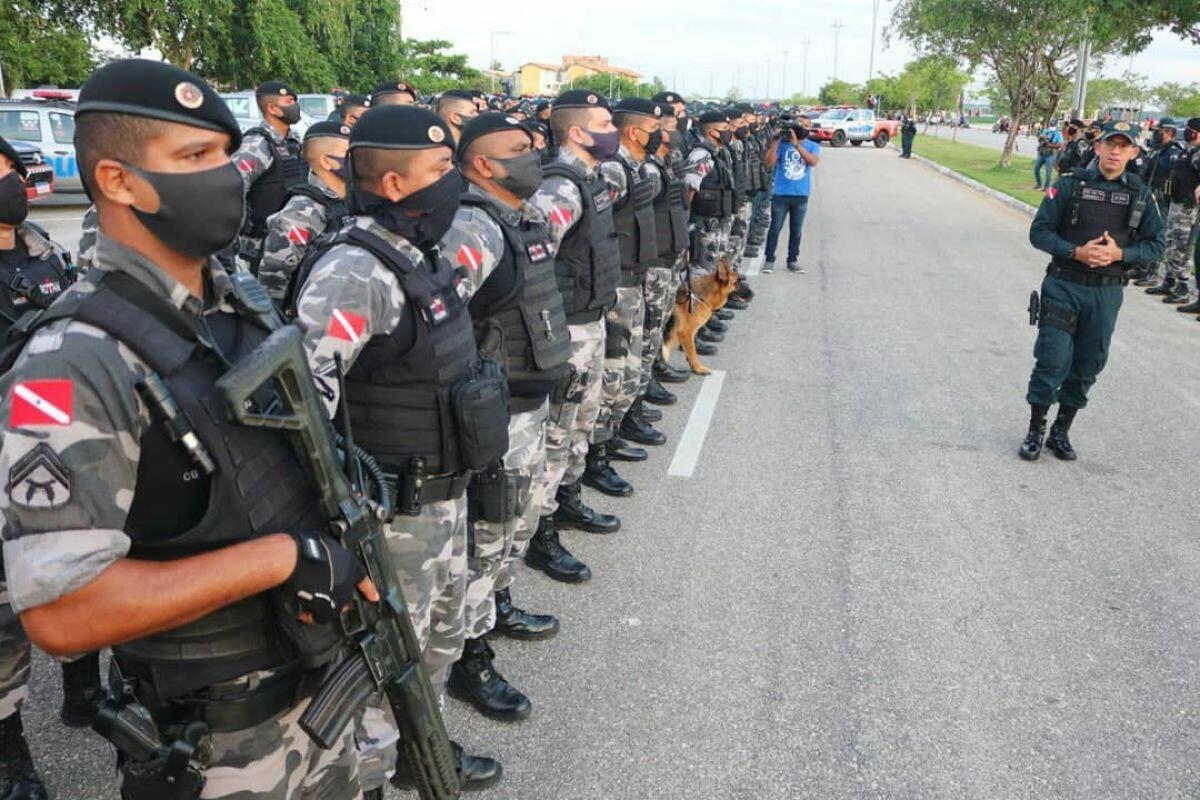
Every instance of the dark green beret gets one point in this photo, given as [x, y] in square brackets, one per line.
[8, 150]
[637, 105]
[394, 87]
[327, 130]
[486, 123]
[274, 87]
[400, 128]
[580, 98]
[157, 90]
[710, 117]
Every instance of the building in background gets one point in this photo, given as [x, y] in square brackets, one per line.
[536, 77]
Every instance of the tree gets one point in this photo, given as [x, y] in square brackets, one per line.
[38, 45]
[1178, 100]
[840, 93]
[614, 87]
[1128, 90]
[182, 30]
[426, 64]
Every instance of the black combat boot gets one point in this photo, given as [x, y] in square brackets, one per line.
[1149, 277]
[374, 794]
[736, 303]
[621, 450]
[474, 679]
[1058, 440]
[599, 474]
[1191, 308]
[742, 292]
[665, 373]
[517, 623]
[655, 393]
[716, 325]
[18, 777]
[707, 334]
[703, 348]
[724, 314]
[649, 414]
[635, 428]
[547, 554]
[1031, 448]
[574, 513]
[82, 691]
[1179, 294]
[474, 772]
[1165, 288]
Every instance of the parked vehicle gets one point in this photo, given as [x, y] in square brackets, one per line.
[39, 180]
[48, 125]
[245, 111]
[317, 106]
[854, 125]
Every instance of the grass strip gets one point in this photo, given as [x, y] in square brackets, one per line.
[982, 164]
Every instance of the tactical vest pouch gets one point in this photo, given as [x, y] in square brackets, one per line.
[159, 779]
[707, 203]
[481, 409]
[491, 496]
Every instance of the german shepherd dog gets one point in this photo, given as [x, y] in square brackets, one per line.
[694, 306]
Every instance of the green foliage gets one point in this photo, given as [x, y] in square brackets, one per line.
[38, 45]
[1128, 90]
[432, 69]
[621, 87]
[800, 101]
[1179, 100]
[841, 93]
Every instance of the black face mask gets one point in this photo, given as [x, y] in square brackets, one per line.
[290, 114]
[654, 141]
[14, 202]
[604, 144]
[524, 173]
[339, 171]
[436, 205]
[674, 140]
[199, 213]
[1191, 135]
[754, 127]
[742, 133]
[726, 137]
[1156, 139]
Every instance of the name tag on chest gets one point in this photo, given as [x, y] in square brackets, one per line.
[602, 200]
[537, 252]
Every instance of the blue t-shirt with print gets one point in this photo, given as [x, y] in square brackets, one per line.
[793, 176]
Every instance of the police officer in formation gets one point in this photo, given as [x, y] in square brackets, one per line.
[1177, 167]
[1094, 223]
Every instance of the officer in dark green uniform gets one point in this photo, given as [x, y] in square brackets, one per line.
[1094, 223]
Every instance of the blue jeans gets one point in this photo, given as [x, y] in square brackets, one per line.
[1049, 162]
[794, 207]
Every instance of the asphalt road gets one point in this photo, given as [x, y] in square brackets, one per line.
[862, 592]
[981, 136]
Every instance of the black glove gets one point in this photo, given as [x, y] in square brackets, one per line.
[325, 578]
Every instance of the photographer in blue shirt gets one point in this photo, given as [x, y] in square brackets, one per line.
[1050, 142]
[793, 156]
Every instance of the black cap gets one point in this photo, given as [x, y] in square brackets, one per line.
[580, 98]
[7, 149]
[485, 123]
[394, 87]
[356, 100]
[636, 105]
[669, 98]
[157, 90]
[709, 117]
[1194, 123]
[461, 94]
[1129, 130]
[327, 130]
[401, 128]
[274, 87]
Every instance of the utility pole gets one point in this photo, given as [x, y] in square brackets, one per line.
[492, 60]
[1079, 100]
[783, 84]
[710, 84]
[804, 68]
[768, 81]
[874, 23]
[837, 33]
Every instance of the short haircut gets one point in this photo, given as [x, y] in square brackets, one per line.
[263, 100]
[563, 119]
[623, 118]
[318, 146]
[450, 102]
[370, 164]
[120, 137]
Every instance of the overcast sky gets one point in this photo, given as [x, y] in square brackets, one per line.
[695, 44]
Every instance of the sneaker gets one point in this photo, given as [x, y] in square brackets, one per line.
[794, 267]
[767, 268]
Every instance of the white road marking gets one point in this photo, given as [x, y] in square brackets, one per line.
[41, 218]
[755, 266]
[692, 440]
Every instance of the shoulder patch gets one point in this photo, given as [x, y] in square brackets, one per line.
[41, 403]
[39, 480]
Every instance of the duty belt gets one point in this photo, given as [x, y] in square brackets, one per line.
[1085, 278]
[410, 491]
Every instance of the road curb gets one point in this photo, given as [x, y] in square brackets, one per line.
[998, 196]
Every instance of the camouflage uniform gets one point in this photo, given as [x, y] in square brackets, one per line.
[1180, 222]
[570, 422]
[90, 227]
[739, 223]
[56, 545]
[14, 658]
[289, 233]
[658, 292]
[475, 243]
[252, 159]
[713, 233]
[429, 550]
[623, 323]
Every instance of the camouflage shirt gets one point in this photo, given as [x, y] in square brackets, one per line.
[699, 163]
[614, 175]
[289, 232]
[349, 297]
[72, 426]
[559, 200]
[90, 227]
[255, 157]
[475, 242]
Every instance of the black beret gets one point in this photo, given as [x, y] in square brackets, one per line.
[743, 108]
[636, 105]
[536, 126]
[541, 106]
[476, 93]
[710, 117]
[394, 87]
[1194, 123]
[356, 100]
[158, 90]
[670, 98]
[274, 87]
[400, 128]
[580, 98]
[327, 130]
[8, 150]
[1078, 123]
[485, 123]
[461, 94]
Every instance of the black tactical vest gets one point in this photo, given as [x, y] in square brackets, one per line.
[335, 207]
[1162, 164]
[31, 284]
[259, 486]
[754, 163]
[270, 191]
[741, 172]
[1184, 178]
[533, 328]
[588, 263]
[715, 197]
[1093, 209]
[633, 218]
[400, 388]
[670, 213]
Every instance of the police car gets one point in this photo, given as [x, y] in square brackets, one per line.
[854, 125]
[244, 107]
[47, 126]
[39, 181]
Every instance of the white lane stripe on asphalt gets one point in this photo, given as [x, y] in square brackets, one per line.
[40, 218]
[755, 266]
[692, 440]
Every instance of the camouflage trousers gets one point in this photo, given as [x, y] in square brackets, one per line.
[276, 760]
[1178, 257]
[493, 544]
[14, 658]
[659, 294]
[622, 360]
[711, 238]
[760, 219]
[569, 423]
[430, 552]
[739, 227]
